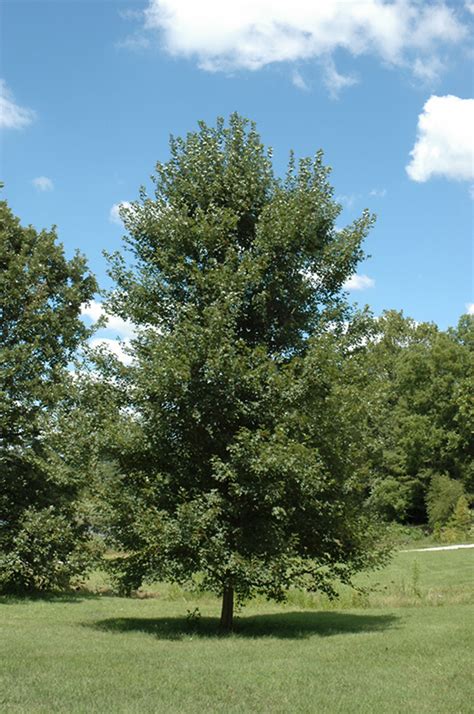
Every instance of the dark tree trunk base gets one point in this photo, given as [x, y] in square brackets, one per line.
[227, 612]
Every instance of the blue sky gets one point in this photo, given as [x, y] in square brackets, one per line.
[92, 90]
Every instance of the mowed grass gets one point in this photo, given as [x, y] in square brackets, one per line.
[407, 647]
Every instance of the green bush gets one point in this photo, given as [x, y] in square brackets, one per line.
[459, 525]
[397, 534]
[390, 498]
[441, 500]
[48, 550]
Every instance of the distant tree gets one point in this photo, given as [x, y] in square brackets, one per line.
[237, 457]
[422, 415]
[464, 331]
[463, 395]
[41, 293]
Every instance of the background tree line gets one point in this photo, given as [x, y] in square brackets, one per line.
[264, 428]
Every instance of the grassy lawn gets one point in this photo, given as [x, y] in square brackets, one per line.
[405, 648]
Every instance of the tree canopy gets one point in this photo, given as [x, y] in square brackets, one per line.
[262, 427]
[421, 412]
[238, 453]
[41, 294]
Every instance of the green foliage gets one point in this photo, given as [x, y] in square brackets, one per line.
[390, 497]
[443, 495]
[238, 455]
[44, 553]
[399, 535]
[459, 525]
[41, 293]
[461, 518]
[422, 416]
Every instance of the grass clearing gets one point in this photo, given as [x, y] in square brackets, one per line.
[397, 651]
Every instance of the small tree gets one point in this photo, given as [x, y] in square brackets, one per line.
[459, 525]
[443, 495]
[238, 464]
[41, 293]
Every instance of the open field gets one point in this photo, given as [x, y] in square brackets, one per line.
[405, 648]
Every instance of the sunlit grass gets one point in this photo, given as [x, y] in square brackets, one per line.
[411, 579]
[402, 650]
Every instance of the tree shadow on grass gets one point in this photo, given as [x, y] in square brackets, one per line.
[289, 625]
[51, 597]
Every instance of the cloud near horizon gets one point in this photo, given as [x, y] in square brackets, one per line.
[12, 115]
[445, 141]
[251, 34]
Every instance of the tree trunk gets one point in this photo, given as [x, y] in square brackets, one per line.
[227, 612]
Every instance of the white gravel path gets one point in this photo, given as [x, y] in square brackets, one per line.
[439, 547]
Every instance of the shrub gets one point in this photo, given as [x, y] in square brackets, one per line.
[442, 497]
[47, 551]
[459, 525]
[389, 498]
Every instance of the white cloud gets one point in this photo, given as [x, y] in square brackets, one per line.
[335, 82]
[469, 7]
[12, 116]
[378, 192]
[359, 282]
[428, 69]
[115, 336]
[43, 183]
[251, 34]
[298, 81]
[95, 310]
[445, 142]
[470, 308]
[114, 214]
